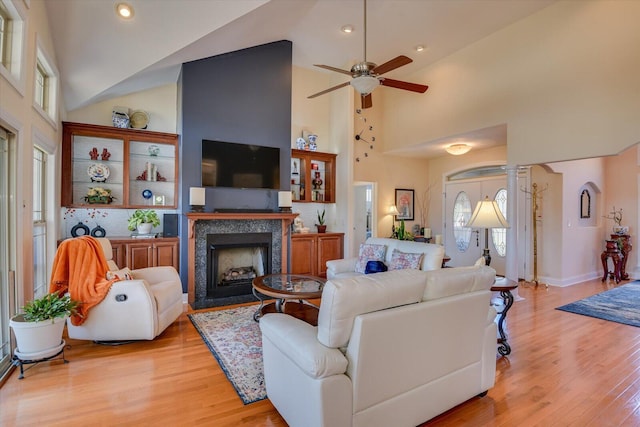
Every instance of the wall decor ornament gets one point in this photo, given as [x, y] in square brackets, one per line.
[365, 134]
[98, 232]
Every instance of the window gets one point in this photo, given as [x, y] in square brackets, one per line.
[45, 87]
[499, 235]
[40, 287]
[461, 214]
[12, 29]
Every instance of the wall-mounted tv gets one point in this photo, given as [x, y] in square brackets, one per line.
[229, 164]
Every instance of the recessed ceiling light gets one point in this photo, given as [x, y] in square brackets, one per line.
[124, 10]
[347, 29]
[419, 48]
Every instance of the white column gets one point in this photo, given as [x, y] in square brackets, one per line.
[511, 261]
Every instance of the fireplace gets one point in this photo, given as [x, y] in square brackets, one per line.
[234, 260]
[266, 254]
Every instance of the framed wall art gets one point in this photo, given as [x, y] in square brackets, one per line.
[405, 204]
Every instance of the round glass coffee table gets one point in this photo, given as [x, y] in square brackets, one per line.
[290, 292]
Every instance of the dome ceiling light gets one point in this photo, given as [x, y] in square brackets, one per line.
[458, 149]
[124, 10]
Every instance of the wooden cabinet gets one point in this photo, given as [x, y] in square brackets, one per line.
[313, 176]
[311, 251]
[106, 166]
[142, 253]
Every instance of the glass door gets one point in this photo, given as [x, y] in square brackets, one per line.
[7, 280]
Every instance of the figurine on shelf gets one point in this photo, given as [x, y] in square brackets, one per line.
[93, 154]
[105, 154]
[317, 182]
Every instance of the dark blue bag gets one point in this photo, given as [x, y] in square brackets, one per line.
[375, 267]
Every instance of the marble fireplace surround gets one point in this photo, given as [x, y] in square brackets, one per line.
[201, 224]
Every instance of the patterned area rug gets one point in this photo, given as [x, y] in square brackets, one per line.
[620, 305]
[234, 339]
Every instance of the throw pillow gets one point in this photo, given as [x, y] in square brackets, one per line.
[375, 267]
[123, 274]
[369, 252]
[403, 260]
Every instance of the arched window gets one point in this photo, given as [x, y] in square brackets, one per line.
[499, 235]
[461, 215]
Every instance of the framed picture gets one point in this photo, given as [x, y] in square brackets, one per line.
[405, 204]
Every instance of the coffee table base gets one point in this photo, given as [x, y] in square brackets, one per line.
[299, 310]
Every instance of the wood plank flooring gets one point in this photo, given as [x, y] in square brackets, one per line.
[565, 370]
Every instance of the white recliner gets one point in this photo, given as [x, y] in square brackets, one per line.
[137, 309]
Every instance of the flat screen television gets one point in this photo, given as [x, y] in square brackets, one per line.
[229, 164]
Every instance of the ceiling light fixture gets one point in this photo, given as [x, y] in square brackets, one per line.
[364, 84]
[458, 149]
[347, 29]
[124, 10]
[419, 48]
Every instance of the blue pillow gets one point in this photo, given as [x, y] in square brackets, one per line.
[375, 267]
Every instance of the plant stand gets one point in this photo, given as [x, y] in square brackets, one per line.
[21, 359]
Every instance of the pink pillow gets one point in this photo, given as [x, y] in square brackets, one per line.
[369, 252]
[404, 260]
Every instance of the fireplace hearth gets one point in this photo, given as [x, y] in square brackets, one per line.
[203, 292]
[233, 260]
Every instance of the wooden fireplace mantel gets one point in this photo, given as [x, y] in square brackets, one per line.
[286, 218]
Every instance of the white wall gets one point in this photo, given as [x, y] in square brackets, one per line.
[565, 81]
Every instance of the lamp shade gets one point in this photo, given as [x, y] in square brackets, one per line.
[487, 215]
[393, 210]
[364, 84]
[197, 196]
[284, 199]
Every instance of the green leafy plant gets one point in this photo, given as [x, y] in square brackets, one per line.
[49, 307]
[402, 233]
[142, 216]
[320, 217]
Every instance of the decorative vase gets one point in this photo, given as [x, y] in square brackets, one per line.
[145, 228]
[322, 228]
[34, 338]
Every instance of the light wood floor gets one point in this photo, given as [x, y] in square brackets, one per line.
[565, 370]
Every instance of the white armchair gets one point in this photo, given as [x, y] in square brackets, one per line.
[137, 309]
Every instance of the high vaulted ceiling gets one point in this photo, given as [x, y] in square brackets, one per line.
[101, 56]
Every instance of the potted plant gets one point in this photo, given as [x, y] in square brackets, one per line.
[143, 220]
[38, 329]
[322, 228]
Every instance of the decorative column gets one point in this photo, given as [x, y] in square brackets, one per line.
[511, 261]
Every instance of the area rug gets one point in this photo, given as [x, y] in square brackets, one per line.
[620, 305]
[235, 341]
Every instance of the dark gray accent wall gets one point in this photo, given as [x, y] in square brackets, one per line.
[243, 97]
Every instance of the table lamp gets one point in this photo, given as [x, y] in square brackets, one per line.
[197, 197]
[393, 210]
[487, 215]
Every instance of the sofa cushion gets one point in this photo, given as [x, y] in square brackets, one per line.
[345, 298]
[369, 252]
[433, 254]
[451, 281]
[405, 260]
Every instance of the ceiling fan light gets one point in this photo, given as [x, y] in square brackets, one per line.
[458, 149]
[364, 84]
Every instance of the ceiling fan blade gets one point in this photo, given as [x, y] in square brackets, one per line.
[337, 70]
[413, 87]
[328, 90]
[396, 62]
[366, 101]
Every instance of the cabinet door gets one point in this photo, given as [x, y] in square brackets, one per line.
[139, 255]
[303, 255]
[119, 254]
[329, 248]
[165, 253]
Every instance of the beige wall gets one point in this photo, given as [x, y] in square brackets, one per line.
[565, 81]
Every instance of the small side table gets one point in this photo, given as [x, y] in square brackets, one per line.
[616, 257]
[504, 286]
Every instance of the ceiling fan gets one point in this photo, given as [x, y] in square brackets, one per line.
[366, 76]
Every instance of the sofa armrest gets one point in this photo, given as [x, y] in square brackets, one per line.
[297, 340]
[156, 274]
[337, 266]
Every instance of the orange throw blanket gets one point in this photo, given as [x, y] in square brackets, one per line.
[80, 268]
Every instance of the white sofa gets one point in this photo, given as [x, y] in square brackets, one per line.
[432, 260]
[391, 349]
[138, 309]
